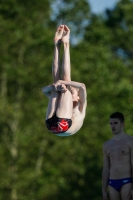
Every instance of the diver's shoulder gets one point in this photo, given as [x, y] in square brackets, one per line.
[107, 143]
[130, 140]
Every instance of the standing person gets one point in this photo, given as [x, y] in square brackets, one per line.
[118, 162]
[67, 99]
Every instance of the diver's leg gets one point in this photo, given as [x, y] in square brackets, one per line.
[65, 105]
[52, 105]
[56, 58]
[56, 63]
[66, 69]
[125, 191]
[114, 194]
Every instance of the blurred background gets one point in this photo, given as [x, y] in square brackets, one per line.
[36, 164]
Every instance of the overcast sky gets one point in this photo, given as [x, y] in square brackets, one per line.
[98, 6]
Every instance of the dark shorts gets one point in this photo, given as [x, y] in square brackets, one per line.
[58, 125]
[118, 183]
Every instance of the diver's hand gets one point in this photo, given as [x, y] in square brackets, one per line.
[59, 87]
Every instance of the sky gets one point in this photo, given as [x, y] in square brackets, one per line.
[99, 6]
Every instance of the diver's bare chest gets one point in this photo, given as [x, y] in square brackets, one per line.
[116, 148]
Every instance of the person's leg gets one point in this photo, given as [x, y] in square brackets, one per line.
[56, 63]
[65, 105]
[114, 194]
[56, 59]
[53, 102]
[66, 68]
[125, 190]
[60, 103]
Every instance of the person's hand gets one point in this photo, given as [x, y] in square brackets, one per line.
[59, 87]
[66, 34]
[130, 196]
[58, 34]
[105, 196]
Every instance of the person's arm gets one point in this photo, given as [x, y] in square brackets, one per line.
[82, 92]
[70, 83]
[105, 173]
[58, 88]
[83, 98]
[131, 161]
[47, 90]
[131, 148]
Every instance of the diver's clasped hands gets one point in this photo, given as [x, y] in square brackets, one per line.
[59, 87]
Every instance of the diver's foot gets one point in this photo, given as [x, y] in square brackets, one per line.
[58, 34]
[66, 35]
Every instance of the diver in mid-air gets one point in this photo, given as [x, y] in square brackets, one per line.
[67, 99]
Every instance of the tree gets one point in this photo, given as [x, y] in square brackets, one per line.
[34, 162]
[22, 32]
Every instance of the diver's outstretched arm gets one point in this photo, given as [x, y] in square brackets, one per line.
[54, 87]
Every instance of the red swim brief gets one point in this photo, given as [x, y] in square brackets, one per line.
[58, 125]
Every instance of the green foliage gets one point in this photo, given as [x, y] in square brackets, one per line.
[35, 164]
